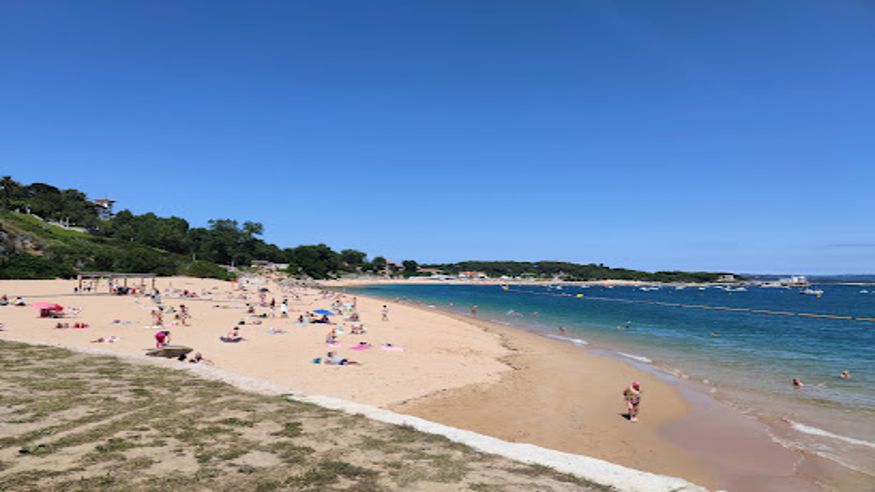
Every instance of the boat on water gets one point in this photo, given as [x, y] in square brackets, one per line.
[811, 292]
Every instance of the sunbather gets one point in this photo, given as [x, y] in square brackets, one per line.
[332, 359]
[109, 339]
[233, 336]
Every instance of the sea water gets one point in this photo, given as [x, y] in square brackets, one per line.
[748, 358]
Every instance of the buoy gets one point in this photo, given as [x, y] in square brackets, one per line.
[579, 296]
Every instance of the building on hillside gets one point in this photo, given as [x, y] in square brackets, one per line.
[104, 208]
[728, 277]
[268, 265]
[473, 275]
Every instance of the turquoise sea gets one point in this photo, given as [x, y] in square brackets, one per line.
[749, 363]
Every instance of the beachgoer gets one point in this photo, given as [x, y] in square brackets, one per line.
[632, 395]
[385, 312]
[845, 375]
[162, 338]
[199, 359]
[19, 301]
[474, 310]
[562, 330]
[284, 308]
[233, 335]
[797, 383]
[715, 334]
[332, 359]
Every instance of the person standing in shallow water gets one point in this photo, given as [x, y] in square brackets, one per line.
[632, 395]
[474, 310]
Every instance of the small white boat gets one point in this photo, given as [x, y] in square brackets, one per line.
[811, 292]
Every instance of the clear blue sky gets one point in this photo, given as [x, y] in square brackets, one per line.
[693, 135]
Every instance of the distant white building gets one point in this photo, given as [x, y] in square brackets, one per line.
[727, 278]
[104, 208]
[473, 275]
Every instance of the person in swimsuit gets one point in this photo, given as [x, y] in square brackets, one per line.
[162, 338]
[632, 395]
[332, 359]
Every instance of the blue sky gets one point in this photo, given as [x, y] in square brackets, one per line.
[659, 135]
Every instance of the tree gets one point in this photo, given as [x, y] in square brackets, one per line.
[352, 259]
[378, 264]
[410, 268]
[9, 186]
[315, 261]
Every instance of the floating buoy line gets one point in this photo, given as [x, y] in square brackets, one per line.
[693, 306]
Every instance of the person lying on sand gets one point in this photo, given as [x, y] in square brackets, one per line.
[358, 329]
[19, 301]
[632, 396]
[198, 358]
[4, 300]
[332, 359]
[109, 339]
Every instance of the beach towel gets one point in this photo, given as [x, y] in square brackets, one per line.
[391, 348]
[333, 344]
[360, 347]
[230, 340]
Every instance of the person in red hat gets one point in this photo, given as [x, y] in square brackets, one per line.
[632, 395]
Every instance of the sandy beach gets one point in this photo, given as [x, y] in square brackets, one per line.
[454, 370]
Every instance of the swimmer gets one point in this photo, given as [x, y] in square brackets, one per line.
[845, 375]
[797, 383]
[715, 334]
[562, 330]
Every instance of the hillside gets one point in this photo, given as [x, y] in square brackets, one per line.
[32, 248]
[571, 271]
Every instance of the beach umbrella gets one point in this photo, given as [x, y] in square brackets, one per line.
[48, 305]
[324, 312]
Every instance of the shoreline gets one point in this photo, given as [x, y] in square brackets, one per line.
[750, 455]
[598, 471]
